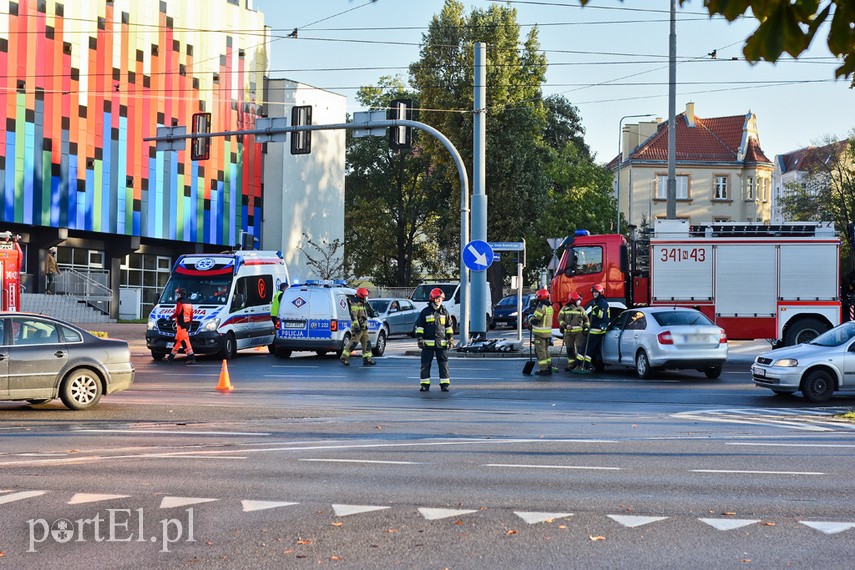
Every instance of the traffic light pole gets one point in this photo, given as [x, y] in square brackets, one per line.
[173, 142]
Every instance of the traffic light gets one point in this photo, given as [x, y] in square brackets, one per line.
[400, 137]
[200, 149]
[301, 141]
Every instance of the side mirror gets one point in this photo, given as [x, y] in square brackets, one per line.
[568, 272]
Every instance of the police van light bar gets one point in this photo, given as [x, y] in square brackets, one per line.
[326, 282]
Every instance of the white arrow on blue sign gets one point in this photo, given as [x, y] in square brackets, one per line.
[477, 255]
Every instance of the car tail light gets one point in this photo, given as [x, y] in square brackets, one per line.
[723, 338]
[333, 325]
[665, 338]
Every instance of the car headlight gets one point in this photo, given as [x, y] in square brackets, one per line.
[786, 362]
[514, 314]
[152, 324]
[212, 325]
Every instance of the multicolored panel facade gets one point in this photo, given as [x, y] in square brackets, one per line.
[83, 82]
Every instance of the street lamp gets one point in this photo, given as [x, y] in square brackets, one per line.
[619, 160]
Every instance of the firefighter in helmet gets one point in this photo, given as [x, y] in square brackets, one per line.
[434, 333]
[359, 328]
[573, 322]
[541, 330]
[599, 322]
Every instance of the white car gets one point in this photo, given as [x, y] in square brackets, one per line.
[816, 369]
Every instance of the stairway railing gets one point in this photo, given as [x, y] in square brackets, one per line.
[90, 286]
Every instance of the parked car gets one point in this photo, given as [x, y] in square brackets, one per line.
[505, 311]
[42, 358]
[816, 369]
[666, 338]
[397, 315]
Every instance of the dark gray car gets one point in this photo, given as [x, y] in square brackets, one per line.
[42, 358]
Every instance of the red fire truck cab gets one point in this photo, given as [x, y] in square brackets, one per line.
[778, 282]
[11, 258]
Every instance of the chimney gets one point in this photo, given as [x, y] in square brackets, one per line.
[690, 113]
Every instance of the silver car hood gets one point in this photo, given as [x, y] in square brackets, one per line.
[799, 351]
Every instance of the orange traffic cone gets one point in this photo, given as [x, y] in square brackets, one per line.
[225, 384]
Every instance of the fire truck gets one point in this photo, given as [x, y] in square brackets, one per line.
[775, 282]
[11, 258]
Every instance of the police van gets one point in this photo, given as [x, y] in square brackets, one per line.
[315, 316]
[231, 294]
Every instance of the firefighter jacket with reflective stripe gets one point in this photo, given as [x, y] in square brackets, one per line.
[359, 316]
[541, 320]
[599, 315]
[434, 326]
[183, 314]
[572, 318]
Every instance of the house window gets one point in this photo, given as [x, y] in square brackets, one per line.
[682, 188]
[720, 188]
[749, 188]
[765, 192]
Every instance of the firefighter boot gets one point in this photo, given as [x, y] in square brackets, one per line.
[444, 387]
[344, 359]
[368, 361]
[424, 388]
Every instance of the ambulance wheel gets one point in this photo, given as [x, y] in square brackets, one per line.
[380, 347]
[344, 343]
[229, 348]
[157, 356]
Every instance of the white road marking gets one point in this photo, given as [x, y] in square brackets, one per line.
[829, 527]
[249, 506]
[757, 472]
[436, 514]
[633, 521]
[53, 461]
[171, 432]
[728, 524]
[172, 502]
[79, 498]
[20, 496]
[533, 518]
[344, 510]
[363, 461]
[183, 455]
[524, 466]
[792, 444]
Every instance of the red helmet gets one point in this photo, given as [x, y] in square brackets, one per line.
[436, 293]
[362, 293]
[542, 295]
[574, 296]
[598, 289]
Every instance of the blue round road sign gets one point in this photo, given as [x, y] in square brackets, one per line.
[477, 255]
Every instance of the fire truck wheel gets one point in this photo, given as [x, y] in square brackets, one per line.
[642, 365]
[713, 372]
[804, 330]
[818, 386]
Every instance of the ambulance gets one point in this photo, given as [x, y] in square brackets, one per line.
[231, 294]
[315, 316]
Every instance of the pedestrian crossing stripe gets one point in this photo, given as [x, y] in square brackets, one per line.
[344, 510]
[534, 518]
[633, 521]
[20, 496]
[172, 502]
[829, 527]
[436, 514]
[728, 524]
[79, 498]
[249, 506]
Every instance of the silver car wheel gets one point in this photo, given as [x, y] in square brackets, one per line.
[818, 386]
[81, 389]
[642, 365]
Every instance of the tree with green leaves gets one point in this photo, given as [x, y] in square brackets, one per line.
[515, 155]
[790, 26]
[392, 208]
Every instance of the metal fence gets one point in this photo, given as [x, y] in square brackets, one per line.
[88, 285]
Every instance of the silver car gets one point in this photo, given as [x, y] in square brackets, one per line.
[43, 358]
[817, 368]
[666, 338]
[398, 315]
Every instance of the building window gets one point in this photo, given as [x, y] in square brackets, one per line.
[765, 186]
[720, 188]
[682, 187]
[148, 272]
[749, 188]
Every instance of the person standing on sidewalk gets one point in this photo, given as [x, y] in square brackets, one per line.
[434, 333]
[51, 271]
[183, 317]
[541, 328]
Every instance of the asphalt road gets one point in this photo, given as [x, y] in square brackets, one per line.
[309, 463]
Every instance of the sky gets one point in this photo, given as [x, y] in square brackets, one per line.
[609, 59]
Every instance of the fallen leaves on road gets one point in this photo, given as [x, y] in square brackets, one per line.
[304, 541]
[768, 523]
[512, 532]
[391, 530]
[334, 557]
[562, 526]
[728, 514]
[288, 551]
[458, 522]
[338, 523]
[596, 537]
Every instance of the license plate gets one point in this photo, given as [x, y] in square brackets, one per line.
[170, 344]
[758, 371]
[295, 324]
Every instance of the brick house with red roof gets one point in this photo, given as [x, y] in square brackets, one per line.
[722, 173]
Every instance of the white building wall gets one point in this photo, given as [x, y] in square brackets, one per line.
[304, 194]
